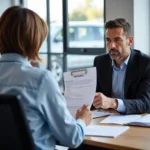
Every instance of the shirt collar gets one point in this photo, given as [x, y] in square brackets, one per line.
[14, 57]
[125, 63]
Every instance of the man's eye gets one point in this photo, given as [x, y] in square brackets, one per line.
[118, 40]
[108, 40]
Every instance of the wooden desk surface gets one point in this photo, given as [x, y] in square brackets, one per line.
[135, 138]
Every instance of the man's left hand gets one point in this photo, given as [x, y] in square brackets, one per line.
[104, 102]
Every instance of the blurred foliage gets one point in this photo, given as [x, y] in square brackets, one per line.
[86, 12]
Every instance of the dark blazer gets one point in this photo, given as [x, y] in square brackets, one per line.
[137, 81]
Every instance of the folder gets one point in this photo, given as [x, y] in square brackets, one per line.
[143, 121]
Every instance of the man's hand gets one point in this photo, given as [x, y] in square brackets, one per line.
[102, 101]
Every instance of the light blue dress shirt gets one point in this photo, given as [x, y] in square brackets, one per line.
[43, 103]
[118, 78]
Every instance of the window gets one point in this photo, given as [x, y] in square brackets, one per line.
[76, 36]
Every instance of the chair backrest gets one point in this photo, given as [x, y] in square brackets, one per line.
[14, 131]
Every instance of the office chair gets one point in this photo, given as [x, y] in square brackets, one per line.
[14, 131]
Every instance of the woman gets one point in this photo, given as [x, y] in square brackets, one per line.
[22, 32]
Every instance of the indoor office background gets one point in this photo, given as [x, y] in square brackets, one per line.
[76, 29]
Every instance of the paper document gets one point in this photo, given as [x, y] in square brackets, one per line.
[120, 119]
[105, 131]
[142, 121]
[97, 114]
[80, 87]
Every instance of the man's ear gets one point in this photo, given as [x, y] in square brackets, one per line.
[130, 40]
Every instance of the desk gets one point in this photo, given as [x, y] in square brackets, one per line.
[135, 138]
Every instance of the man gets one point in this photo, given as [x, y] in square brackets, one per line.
[123, 75]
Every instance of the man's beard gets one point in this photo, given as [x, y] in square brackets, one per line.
[114, 54]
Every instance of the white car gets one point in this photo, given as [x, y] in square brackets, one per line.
[81, 34]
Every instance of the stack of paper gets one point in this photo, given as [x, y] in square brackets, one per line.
[97, 114]
[143, 121]
[105, 131]
[80, 86]
[120, 119]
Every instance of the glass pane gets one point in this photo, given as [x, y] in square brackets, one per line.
[79, 61]
[56, 65]
[40, 9]
[86, 23]
[43, 48]
[56, 28]
[43, 63]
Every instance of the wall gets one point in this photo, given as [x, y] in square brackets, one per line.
[120, 8]
[142, 25]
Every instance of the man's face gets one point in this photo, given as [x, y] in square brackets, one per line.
[117, 43]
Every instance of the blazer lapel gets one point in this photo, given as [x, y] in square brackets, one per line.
[109, 80]
[131, 71]
[107, 77]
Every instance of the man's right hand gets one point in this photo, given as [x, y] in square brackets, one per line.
[84, 114]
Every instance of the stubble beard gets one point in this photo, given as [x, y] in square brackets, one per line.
[115, 56]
